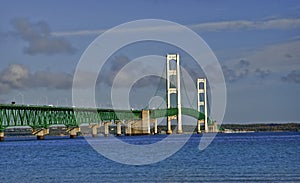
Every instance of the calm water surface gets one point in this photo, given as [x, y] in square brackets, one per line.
[247, 157]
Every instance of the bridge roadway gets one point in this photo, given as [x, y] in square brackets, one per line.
[40, 118]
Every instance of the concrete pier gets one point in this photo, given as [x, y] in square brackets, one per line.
[136, 127]
[41, 133]
[145, 126]
[94, 129]
[106, 130]
[73, 132]
[199, 126]
[128, 128]
[215, 127]
[119, 128]
[169, 125]
[1, 136]
[140, 127]
[155, 126]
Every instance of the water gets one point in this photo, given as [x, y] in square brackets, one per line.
[247, 157]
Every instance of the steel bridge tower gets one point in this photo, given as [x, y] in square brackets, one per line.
[173, 87]
[202, 103]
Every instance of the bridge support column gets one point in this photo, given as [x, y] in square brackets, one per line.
[119, 128]
[40, 133]
[128, 128]
[169, 125]
[94, 129]
[73, 132]
[145, 127]
[199, 126]
[155, 126]
[215, 127]
[179, 122]
[106, 130]
[1, 136]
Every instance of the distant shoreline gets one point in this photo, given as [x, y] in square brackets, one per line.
[263, 127]
[255, 127]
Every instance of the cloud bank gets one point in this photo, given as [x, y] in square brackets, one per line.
[14, 77]
[237, 72]
[39, 38]
[292, 77]
[275, 24]
[280, 60]
[18, 76]
[283, 23]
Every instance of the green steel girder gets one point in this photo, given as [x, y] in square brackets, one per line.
[159, 113]
[193, 113]
[45, 116]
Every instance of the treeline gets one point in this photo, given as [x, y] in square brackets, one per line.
[262, 127]
[259, 127]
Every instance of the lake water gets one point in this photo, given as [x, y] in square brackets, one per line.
[245, 157]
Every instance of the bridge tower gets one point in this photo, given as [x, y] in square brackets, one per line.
[202, 102]
[173, 87]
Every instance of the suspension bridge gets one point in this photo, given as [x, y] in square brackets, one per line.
[136, 122]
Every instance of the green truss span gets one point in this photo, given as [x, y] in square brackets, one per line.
[45, 116]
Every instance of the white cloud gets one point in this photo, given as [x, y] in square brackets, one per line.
[281, 23]
[245, 24]
[18, 76]
[14, 77]
[79, 33]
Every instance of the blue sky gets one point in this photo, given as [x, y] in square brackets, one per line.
[256, 42]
